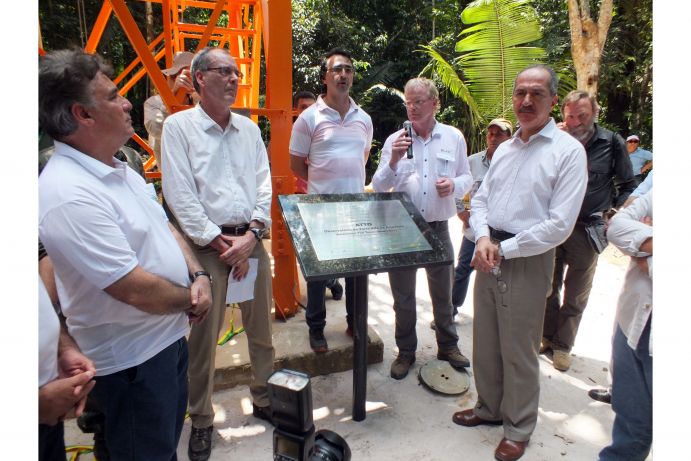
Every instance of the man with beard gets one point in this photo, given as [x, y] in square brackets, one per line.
[608, 164]
[216, 182]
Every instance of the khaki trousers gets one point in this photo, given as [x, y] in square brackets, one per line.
[256, 318]
[507, 329]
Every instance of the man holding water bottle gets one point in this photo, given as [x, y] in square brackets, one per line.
[433, 176]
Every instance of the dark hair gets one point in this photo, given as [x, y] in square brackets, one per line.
[304, 94]
[201, 63]
[322, 68]
[63, 80]
[553, 79]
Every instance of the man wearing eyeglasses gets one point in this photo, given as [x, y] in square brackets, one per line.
[641, 159]
[526, 206]
[437, 173]
[216, 182]
[335, 134]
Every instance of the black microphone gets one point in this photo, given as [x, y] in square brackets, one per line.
[408, 127]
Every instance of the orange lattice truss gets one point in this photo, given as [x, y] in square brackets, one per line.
[247, 29]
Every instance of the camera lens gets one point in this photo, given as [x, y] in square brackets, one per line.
[329, 446]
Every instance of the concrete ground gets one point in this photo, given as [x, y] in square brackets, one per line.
[405, 421]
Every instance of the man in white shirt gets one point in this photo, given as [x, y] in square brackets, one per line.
[437, 172]
[217, 183]
[335, 135]
[126, 280]
[631, 231]
[526, 206]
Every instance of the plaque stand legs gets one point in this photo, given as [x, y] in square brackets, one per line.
[360, 348]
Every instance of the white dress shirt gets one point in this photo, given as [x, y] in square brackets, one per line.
[98, 223]
[214, 177]
[443, 155]
[533, 189]
[635, 305]
[48, 337]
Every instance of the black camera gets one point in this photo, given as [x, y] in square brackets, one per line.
[290, 396]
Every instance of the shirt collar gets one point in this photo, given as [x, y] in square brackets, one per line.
[207, 122]
[547, 131]
[90, 164]
[322, 106]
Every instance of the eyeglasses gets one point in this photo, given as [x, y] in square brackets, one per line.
[227, 71]
[416, 103]
[501, 284]
[338, 69]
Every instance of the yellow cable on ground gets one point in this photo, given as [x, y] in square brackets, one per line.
[231, 332]
[78, 450]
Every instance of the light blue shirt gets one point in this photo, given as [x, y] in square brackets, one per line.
[638, 159]
[644, 187]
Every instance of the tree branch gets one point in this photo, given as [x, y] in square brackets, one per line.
[603, 22]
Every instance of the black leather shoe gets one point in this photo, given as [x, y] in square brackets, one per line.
[336, 290]
[264, 413]
[318, 342]
[199, 448]
[601, 395]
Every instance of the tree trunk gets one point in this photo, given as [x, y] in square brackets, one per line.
[587, 41]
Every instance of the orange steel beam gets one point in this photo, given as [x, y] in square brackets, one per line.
[279, 71]
[213, 21]
[167, 32]
[136, 61]
[99, 27]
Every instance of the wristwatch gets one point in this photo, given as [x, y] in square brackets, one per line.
[197, 274]
[258, 233]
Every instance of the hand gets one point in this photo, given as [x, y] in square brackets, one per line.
[647, 220]
[200, 299]
[445, 187]
[72, 362]
[561, 126]
[399, 148]
[59, 397]
[184, 81]
[240, 248]
[464, 216]
[486, 255]
[241, 269]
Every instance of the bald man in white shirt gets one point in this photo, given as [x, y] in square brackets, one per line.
[526, 206]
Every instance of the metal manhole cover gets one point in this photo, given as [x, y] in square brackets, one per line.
[439, 376]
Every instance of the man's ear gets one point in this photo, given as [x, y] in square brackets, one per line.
[81, 113]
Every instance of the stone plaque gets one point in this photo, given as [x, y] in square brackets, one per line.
[337, 235]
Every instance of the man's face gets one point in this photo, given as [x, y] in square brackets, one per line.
[495, 136]
[419, 105]
[532, 102]
[304, 103]
[631, 146]
[579, 119]
[220, 81]
[109, 111]
[339, 75]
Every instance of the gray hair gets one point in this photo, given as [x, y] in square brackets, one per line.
[63, 80]
[425, 84]
[577, 95]
[201, 63]
[553, 79]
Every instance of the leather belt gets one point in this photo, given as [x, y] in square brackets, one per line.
[240, 229]
[499, 235]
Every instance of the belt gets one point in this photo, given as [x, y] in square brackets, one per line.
[499, 235]
[240, 229]
[437, 224]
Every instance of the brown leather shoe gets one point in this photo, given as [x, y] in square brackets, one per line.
[509, 450]
[468, 418]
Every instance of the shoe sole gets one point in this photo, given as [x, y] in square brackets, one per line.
[455, 365]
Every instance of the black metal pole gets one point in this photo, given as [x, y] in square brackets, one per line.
[360, 349]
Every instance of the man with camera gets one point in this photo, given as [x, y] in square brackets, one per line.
[216, 182]
[610, 181]
[436, 172]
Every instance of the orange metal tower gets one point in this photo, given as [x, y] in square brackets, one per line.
[250, 23]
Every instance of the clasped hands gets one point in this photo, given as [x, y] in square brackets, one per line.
[486, 255]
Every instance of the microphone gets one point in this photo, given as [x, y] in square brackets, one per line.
[408, 127]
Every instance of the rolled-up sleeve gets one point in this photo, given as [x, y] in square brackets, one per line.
[627, 232]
